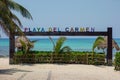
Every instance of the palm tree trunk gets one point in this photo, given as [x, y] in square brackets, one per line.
[12, 47]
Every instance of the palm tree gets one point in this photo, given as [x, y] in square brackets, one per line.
[24, 44]
[101, 42]
[9, 22]
[57, 47]
[97, 42]
[27, 46]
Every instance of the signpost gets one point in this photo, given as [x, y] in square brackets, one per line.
[107, 33]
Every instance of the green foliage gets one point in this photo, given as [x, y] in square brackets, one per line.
[24, 58]
[97, 42]
[17, 7]
[99, 59]
[52, 42]
[58, 47]
[59, 44]
[19, 52]
[24, 46]
[117, 61]
[27, 46]
[10, 22]
[77, 58]
[65, 49]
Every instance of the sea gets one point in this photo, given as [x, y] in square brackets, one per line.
[44, 44]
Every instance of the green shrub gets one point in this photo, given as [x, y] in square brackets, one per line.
[117, 61]
[99, 59]
[24, 58]
[48, 57]
[19, 52]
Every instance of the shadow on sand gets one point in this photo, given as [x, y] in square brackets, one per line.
[11, 71]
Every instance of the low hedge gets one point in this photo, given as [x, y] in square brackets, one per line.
[77, 58]
[117, 61]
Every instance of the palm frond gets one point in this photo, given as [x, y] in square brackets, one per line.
[59, 44]
[19, 31]
[3, 8]
[52, 42]
[115, 45]
[4, 28]
[11, 25]
[8, 21]
[16, 20]
[66, 49]
[98, 41]
[24, 45]
[15, 6]
[30, 45]
[33, 41]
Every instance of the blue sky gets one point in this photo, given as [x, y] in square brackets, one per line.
[77, 13]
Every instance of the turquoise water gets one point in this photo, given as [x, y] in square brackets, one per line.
[44, 44]
[75, 44]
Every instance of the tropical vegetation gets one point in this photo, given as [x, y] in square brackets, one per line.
[117, 61]
[8, 20]
[74, 57]
[27, 46]
[99, 40]
[58, 46]
[101, 43]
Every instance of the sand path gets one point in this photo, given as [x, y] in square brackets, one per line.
[56, 72]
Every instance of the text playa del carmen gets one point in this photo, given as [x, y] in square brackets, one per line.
[58, 29]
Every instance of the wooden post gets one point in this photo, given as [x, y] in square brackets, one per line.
[109, 47]
[11, 47]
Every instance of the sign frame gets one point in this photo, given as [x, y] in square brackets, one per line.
[107, 33]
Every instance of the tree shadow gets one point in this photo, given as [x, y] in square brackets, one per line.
[26, 64]
[11, 71]
[102, 66]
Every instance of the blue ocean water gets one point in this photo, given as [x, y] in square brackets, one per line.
[74, 43]
[44, 44]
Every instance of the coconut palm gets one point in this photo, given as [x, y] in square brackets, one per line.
[9, 22]
[57, 47]
[27, 46]
[24, 44]
[97, 42]
[101, 42]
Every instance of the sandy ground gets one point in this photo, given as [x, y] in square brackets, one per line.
[56, 72]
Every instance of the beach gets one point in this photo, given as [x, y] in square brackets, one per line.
[56, 71]
[59, 40]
